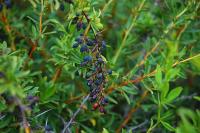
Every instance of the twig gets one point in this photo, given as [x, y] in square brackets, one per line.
[125, 83]
[134, 109]
[186, 97]
[127, 32]
[42, 113]
[139, 126]
[57, 73]
[9, 31]
[185, 60]
[137, 80]
[24, 120]
[146, 92]
[106, 6]
[169, 28]
[33, 48]
[41, 13]
[1, 117]
[75, 114]
[73, 99]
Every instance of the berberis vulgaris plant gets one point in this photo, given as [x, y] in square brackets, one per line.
[99, 66]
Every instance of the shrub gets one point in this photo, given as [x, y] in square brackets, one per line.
[99, 66]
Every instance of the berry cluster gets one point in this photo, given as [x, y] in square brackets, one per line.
[93, 60]
[7, 3]
[32, 101]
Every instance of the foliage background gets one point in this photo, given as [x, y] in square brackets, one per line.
[152, 47]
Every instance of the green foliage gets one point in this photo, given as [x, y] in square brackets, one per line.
[152, 49]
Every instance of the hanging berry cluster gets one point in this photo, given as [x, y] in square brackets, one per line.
[6, 3]
[93, 60]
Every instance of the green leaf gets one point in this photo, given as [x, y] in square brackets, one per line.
[164, 89]
[173, 94]
[112, 100]
[158, 75]
[48, 93]
[5, 122]
[124, 131]
[105, 130]
[172, 73]
[34, 31]
[2, 106]
[168, 126]
[129, 89]
[197, 98]
[127, 98]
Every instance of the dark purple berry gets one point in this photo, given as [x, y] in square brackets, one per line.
[100, 76]
[102, 110]
[98, 81]
[89, 83]
[104, 101]
[62, 7]
[87, 58]
[109, 72]
[30, 97]
[84, 48]
[2, 75]
[100, 60]
[75, 45]
[95, 41]
[90, 42]
[8, 3]
[79, 26]
[48, 128]
[103, 44]
[1, 7]
[97, 90]
[83, 63]
[79, 40]
[94, 97]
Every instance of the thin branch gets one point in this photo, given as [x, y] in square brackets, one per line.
[185, 60]
[75, 114]
[134, 109]
[9, 31]
[127, 32]
[169, 28]
[106, 6]
[139, 126]
[24, 120]
[57, 73]
[1, 117]
[41, 13]
[137, 80]
[42, 113]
